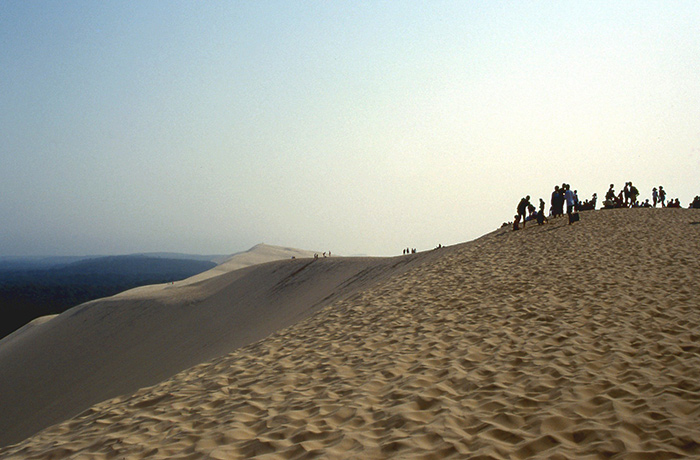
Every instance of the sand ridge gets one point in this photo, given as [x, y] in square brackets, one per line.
[114, 346]
[552, 342]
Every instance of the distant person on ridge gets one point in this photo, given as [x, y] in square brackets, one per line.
[654, 196]
[662, 196]
[634, 193]
[531, 212]
[522, 208]
[611, 193]
[553, 201]
[541, 218]
[557, 202]
[570, 202]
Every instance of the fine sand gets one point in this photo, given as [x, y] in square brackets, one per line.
[558, 341]
[52, 371]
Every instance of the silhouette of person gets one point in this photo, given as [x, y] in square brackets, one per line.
[626, 193]
[541, 219]
[634, 193]
[611, 193]
[570, 201]
[522, 208]
[554, 200]
[662, 196]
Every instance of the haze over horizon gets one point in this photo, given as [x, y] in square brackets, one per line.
[207, 128]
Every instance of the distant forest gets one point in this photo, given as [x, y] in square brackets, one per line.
[26, 294]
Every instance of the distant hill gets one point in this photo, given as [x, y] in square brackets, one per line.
[16, 263]
[26, 293]
[38, 263]
[135, 265]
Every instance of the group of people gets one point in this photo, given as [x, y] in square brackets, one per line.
[628, 197]
[560, 196]
[409, 251]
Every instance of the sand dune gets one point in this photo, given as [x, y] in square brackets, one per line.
[258, 254]
[114, 346]
[552, 342]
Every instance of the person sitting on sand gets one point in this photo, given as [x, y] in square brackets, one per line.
[696, 203]
[619, 201]
[611, 193]
[516, 222]
[531, 212]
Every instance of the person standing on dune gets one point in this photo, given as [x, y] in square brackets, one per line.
[522, 208]
[554, 201]
[570, 201]
[662, 196]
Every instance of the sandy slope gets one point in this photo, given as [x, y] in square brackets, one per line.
[114, 346]
[551, 342]
[258, 254]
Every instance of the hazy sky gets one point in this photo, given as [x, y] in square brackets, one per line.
[355, 127]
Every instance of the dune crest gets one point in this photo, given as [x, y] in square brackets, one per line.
[258, 254]
[114, 346]
[551, 342]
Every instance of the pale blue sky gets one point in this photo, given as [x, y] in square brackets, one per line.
[356, 127]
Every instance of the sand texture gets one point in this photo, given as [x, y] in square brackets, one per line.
[114, 346]
[561, 342]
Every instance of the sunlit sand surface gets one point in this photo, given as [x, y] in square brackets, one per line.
[577, 342]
